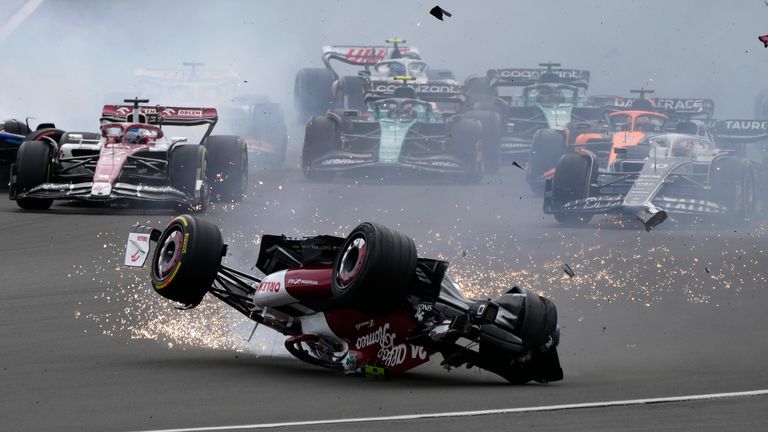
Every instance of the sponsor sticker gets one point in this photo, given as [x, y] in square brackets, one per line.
[268, 286]
[137, 249]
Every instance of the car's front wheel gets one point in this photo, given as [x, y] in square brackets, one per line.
[186, 259]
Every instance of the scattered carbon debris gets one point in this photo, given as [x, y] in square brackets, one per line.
[438, 12]
[569, 271]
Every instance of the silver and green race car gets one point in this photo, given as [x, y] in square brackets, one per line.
[407, 129]
[532, 99]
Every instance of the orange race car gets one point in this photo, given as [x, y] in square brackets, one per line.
[627, 122]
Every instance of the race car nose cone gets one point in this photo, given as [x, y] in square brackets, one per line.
[100, 189]
[650, 217]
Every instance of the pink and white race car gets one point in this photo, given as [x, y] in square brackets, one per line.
[364, 304]
[132, 159]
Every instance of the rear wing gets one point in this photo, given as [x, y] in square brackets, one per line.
[435, 91]
[161, 115]
[688, 108]
[521, 77]
[739, 131]
[365, 55]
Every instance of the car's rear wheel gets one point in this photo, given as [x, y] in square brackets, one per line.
[374, 268]
[572, 179]
[491, 137]
[465, 144]
[186, 259]
[546, 148]
[227, 167]
[320, 137]
[478, 89]
[350, 93]
[732, 185]
[33, 168]
[188, 170]
[312, 92]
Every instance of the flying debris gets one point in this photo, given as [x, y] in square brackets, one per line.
[569, 271]
[438, 12]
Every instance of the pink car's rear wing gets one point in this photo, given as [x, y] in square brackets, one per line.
[161, 115]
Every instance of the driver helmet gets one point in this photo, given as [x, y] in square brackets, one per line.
[644, 124]
[134, 136]
[396, 69]
[683, 148]
[547, 95]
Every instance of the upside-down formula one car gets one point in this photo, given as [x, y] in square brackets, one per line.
[364, 304]
[132, 159]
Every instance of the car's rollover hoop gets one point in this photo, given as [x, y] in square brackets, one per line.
[365, 304]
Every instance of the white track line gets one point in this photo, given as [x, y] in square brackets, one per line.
[474, 413]
[18, 18]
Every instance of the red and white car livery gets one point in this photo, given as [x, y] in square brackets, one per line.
[130, 158]
[364, 304]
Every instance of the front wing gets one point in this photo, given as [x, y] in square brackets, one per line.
[338, 161]
[84, 191]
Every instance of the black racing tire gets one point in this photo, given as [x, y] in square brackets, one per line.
[16, 127]
[547, 147]
[227, 167]
[33, 167]
[312, 92]
[573, 176]
[479, 88]
[491, 122]
[732, 184]
[320, 137]
[465, 143]
[50, 136]
[350, 92]
[186, 259]
[188, 164]
[373, 268]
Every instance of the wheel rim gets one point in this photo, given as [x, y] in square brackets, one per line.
[170, 251]
[352, 261]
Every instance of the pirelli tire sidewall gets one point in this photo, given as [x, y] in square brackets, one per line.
[186, 259]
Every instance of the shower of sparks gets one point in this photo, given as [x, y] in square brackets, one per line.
[632, 269]
[142, 314]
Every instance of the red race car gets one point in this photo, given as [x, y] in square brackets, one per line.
[364, 304]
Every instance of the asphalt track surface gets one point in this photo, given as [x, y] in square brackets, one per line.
[86, 346]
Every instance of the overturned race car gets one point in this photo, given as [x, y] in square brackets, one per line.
[364, 304]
